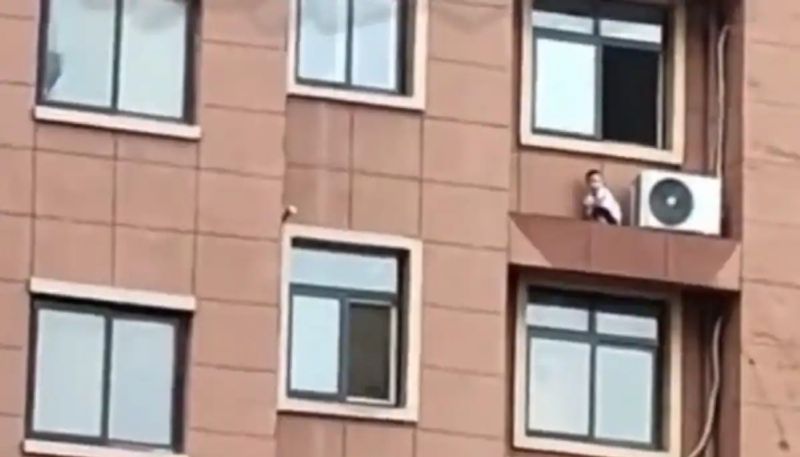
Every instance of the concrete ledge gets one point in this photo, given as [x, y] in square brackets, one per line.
[567, 244]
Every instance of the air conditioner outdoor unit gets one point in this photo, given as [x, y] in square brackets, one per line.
[677, 201]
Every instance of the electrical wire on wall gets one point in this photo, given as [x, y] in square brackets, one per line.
[716, 343]
[721, 98]
[713, 397]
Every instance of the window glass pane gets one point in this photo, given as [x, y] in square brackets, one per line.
[79, 59]
[153, 57]
[322, 48]
[142, 370]
[624, 380]
[557, 317]
[314, 345]
[627, 325]
[375, 46]
[562, 21]
[627, 30]
[631, 95]
[344, 269]
[565, 86]
[558, 386]
[68, 393]
[370, 351]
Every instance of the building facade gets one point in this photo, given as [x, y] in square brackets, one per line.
[296, 228]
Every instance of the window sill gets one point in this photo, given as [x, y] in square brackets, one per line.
[604, 148]
[415, 103]
[293, 405]
[117, 122]
[584, 449]
[54, 448]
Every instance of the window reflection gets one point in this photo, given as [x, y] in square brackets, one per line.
[80, 54]
[375, 38]
[69, 373]
[322, 47]
[143, 358]
[565, 86]
[558, 389]
[624, 394]
[314, 345]
[153, 58]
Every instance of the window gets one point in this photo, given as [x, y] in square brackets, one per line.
[106, 376]
[353, 43]
[617, 352]
[121, 57]
[350, 324]
[370, 51]
[604, 71]
[344, 324]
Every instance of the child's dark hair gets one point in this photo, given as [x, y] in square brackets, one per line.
[591, 173]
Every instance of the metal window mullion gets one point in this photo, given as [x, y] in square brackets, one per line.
[344, 348]
[402, 33]
[592, 373]
[189, 49]
[349, 32]
[598, 94]
[180, 341]
[115, 76]
[107, 367]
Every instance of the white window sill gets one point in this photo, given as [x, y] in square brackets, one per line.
[117, 122]
[293, 405]
[584, 449]
[604, 148]
[415, 102]
[53, 448]
[118, 295]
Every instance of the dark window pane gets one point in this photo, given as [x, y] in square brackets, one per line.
[314, 345]
[624, 379]
[142, 370]
[375, 47]
[558, 386]
[68, 394]
[370, 351]
[153, 57]
[631, 95]
[79, 59]
[322, 46]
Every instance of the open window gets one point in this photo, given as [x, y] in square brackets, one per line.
[604, 77]
[350, 324]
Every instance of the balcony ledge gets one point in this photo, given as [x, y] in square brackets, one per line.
[565, 244]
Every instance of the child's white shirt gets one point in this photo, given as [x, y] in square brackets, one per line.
[605, 199]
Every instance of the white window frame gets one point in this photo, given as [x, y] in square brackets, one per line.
[417, 76]
[675, 111]
[672, 408]
[412, 307]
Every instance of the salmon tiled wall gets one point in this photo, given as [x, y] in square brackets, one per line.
[770, 358]
[203, 218]
[199, 218]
